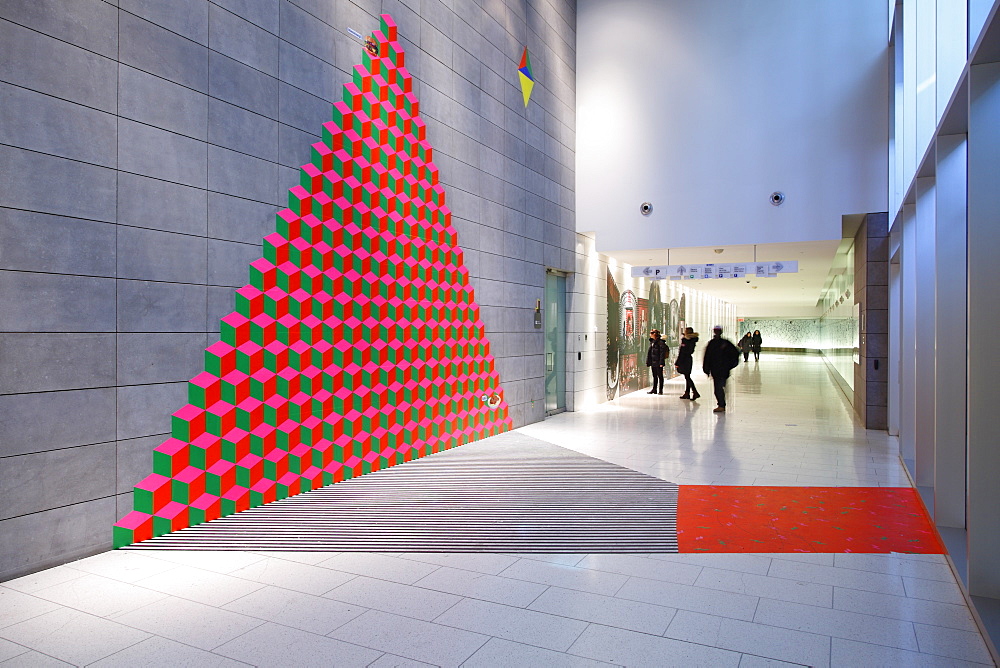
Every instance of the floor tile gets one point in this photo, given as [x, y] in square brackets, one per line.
[763, 641]
[123, 565]
[8, 650]
[190, 623]
[752, 661]
[606, 610]
[517, 624]
[275, 645]
[930, 590]
[217, 562]
[628, 648]
[781, 589]
[33, 659]
[562, 559]
[407, 600]
[206, 587]
[52, 576]
[499, 653]
[16, 607]
[379, 566]
[741, 563]
[304, 578]
[291, 608]
[909, 609]
[568, 577]
[483, 587]
[159, 652]
[311, 558]
[842, 577]
[688, 597]
[411, 638]
[854, 653]
[837, 623]
[953, 643]
[643, 567]
[73, 636]
[99, 596]
[490, 564]
[894, 565]
[393, 661]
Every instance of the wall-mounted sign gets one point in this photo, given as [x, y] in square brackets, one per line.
[695, 271]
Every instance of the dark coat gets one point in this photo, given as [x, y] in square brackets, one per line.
[658, 353]
[744, 343]
[755, 342]
[720, 355]
[685, 359]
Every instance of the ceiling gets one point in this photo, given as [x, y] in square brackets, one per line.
[784, 295]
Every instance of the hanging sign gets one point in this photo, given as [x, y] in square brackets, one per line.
[693, 271]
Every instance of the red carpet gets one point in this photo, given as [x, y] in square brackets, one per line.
[803, 519]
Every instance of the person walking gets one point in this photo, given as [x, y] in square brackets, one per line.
[721, 356]
[744, 346]
[755, 342]
[685, 362]
[656, 358]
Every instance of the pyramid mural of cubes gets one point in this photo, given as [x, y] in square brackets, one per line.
[357, 344]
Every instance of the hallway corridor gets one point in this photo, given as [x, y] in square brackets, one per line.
[788, 425]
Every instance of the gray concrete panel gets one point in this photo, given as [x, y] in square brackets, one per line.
[141, 98]
[145, 409]
[160, 357]
[184, 17]
[48, 65]
[229, 262]
[309, 73]
[149, 151]
[263, 13]
[294, 146]
[242, 40]
[41, 182]
[91, 24]
[161, 205]
[35, 362]
[235, 128]
[324, 10]
[152, 255]
[308, 32]
[44, 421]
[242, 85]
[55, 536]
[232, 173]
[44, 480]
[238, 219]
[43, 242]
[302, 110]
[31, 302]
[134, 460]
[147, 46]
[51, 125]
[160, 307]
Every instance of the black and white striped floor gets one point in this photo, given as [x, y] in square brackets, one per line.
[508, 493]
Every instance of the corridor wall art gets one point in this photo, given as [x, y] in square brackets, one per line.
[357, 343]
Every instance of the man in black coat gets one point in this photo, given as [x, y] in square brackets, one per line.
[721, 355]
[656, 359]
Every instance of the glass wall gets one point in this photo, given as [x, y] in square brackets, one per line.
[839, 326]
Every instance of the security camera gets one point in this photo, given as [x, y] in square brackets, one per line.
[777, 198]
[646, 208]
[748, 281]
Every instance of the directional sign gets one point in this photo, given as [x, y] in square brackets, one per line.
[694, 271]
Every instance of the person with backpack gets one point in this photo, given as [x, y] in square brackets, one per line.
[721, 356]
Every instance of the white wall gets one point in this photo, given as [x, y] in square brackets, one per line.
[704, 107]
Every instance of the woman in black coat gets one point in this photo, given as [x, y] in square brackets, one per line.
[685, 360]
[656, 358]
[755, 342]
[744, 346]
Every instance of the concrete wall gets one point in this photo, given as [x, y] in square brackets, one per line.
[871, 293]
[706, 107]
[144, 149]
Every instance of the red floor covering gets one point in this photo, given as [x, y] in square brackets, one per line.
[714, 518]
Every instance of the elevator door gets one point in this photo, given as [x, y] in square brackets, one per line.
[555, 343]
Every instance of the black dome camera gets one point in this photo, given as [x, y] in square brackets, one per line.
[777, 198]
[646, 208]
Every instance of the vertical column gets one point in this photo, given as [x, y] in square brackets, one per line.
[983, 322]
[923, 335]
[950, 333]
[907, 342]
[876, 346]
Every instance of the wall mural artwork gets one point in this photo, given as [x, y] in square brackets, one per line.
[630, 318]
[614, 336]
[358, 343]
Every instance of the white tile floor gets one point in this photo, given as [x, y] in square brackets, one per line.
[787, 425]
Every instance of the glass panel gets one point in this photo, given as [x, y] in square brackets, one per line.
[555, 343]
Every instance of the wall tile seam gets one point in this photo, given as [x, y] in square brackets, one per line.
[506, 206]
[130, 278]
[58, 39]
[65, 505]
[75, 445]
[61, 99]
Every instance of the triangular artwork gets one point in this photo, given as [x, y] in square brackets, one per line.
[357, 344]
[526, 77]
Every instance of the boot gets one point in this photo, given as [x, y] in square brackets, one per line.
[685, 396]
[696, 395]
